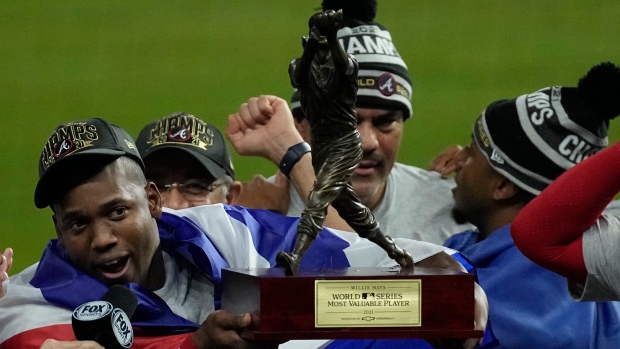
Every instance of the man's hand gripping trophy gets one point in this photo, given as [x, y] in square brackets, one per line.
[326, 77]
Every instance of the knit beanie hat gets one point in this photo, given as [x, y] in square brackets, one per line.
[534, 138]
[383, 80]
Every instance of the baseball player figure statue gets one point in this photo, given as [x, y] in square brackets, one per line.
[326, 77]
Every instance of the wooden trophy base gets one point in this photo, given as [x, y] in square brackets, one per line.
[352, 303]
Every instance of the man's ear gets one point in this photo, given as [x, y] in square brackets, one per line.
[234, 191]
[504, 188]
[154, 199]
[303, 127]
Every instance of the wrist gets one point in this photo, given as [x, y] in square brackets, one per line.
[279, 145]
[292, 156]
[189, 343]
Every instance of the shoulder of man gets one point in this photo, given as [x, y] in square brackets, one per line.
[27, 316]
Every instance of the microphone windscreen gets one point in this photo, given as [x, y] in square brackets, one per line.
[107, 321]
[123, 298]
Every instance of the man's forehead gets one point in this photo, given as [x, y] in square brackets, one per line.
[375, 113]
[111, 185]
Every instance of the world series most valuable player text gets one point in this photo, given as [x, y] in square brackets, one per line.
[368, 303]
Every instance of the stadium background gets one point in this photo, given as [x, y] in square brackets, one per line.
[133, 62]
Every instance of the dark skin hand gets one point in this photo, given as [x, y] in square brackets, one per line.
[222, 330]
[445, 261]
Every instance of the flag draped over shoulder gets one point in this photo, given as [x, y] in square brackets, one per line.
[211, 238]
[251, 239]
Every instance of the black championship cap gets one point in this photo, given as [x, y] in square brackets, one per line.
[534, 138]
[94, 142]
[189, 134]
[383, 78]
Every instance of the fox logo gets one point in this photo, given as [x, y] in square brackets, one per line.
[92, 310]
[121, 326]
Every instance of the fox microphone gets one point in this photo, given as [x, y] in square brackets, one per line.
[107, 321]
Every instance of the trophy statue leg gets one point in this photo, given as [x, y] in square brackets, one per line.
[291, 261]
[323, 192]
[402, 257]
[361, 219]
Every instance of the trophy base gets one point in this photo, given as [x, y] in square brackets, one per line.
[352, 303]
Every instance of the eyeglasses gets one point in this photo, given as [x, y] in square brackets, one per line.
[193, 188]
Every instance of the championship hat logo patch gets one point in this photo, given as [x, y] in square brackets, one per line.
[179, 134]
[68, 139]
[386, 84]
[63, 148]
[184, 129]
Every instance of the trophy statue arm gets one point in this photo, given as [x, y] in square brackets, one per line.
[328, 23]
[341, 59]
[299, 68]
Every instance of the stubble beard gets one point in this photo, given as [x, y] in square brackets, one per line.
[459, 216]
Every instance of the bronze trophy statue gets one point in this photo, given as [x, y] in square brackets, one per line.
[377, 302]
[326, 77]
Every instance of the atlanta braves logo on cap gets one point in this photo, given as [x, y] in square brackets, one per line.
[386, 84]
[67, 139]
[178, 128]
[63, 148]
[179, 134]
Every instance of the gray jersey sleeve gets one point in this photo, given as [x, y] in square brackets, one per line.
[601, 252]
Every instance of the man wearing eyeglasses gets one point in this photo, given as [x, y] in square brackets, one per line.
[190, 163]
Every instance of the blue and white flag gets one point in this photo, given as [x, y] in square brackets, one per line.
[39, 301]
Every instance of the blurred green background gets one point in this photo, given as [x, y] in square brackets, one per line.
[134, 61]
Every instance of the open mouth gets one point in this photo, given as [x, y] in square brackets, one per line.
[114, 268]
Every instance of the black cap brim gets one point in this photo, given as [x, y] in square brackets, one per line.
[69, 171]
[209, 165]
